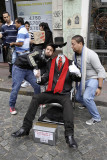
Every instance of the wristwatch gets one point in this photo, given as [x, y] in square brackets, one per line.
[99, 87]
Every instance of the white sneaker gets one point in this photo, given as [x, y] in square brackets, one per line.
[13, 111]
[92, 121]
[25, 84]
[81, 107]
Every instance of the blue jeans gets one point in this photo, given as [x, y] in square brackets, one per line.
[88, 97]
[14, 56]
[18, 75]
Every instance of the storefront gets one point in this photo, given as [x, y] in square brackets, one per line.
[97, 37]
[2, 8]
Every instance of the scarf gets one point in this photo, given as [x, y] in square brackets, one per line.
[83, 68]
[61, 80]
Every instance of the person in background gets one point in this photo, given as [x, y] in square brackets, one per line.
[48, 36]
[93, 74]
[8, 34]
[27, 26]
[22, 44]
[1, 41]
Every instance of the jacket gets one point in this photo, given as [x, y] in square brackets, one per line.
[68, 80]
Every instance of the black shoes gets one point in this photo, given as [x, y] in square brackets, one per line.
[21, 132]
[71, 141]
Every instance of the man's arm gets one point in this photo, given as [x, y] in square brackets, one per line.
[95, 61]
[100, 83]
[19, 44]
[32, 59]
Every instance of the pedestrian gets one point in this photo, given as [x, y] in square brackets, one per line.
[22, 44]
[23, 70]
[58, 91]
[8, 34]
[93, 74]
[48, 36]
[31, 36]
[1, 41]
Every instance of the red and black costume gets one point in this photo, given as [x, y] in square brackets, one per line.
[58, 91]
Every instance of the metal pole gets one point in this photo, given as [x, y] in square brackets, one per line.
[9, 8]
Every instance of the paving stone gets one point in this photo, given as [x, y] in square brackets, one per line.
[32, 158]
[92, 140]
[4, 143]
[47, 157]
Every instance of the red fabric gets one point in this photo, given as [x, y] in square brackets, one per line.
[59, 63]
[51, 74]
[61, 80]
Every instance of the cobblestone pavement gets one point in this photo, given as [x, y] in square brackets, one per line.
[92, 140]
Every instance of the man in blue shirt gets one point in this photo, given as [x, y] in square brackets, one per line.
[8, 34]
[22, 44]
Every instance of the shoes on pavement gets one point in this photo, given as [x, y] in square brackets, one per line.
[13, 111]
[25, 84]
[10, 75]
[81, 107]
[93, 121]
[71, 141]
[21, 132]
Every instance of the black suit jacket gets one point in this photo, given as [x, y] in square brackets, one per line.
[68, 80]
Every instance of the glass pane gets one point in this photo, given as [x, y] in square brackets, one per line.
[98, 25]
[35, 12]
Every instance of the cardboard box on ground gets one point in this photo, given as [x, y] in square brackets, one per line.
[39, 37]
[45, 133]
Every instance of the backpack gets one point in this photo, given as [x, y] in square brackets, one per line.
[55, 113]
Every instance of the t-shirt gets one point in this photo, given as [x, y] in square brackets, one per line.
[23, 36]
[9, 33]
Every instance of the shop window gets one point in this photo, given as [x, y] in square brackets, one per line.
[98, 25]
[34, 11]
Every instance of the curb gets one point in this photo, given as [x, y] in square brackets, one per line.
[26, 93]
[30, 93]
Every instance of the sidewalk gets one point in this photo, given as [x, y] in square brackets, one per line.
[5, 85]
[91, 140]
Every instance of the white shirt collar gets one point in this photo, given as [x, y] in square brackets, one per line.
[10, 23]
[63, 58]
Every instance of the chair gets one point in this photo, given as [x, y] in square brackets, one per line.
[72, 97]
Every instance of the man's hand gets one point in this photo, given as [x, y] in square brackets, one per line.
[37, 73]
[12, 44]
[98, 92]
[0, 35]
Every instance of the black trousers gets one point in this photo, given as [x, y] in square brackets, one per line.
[45, 98]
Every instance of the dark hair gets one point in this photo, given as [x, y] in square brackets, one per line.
[20, 20]
[44, 25]
[5, 12]
[27, 23]
[78, 39]
[52, 45]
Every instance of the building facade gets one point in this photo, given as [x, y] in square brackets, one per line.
[66, 18]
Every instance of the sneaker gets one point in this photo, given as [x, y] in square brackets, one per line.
[25, 84]
[81, 107]
[92, 121]
[13, 111]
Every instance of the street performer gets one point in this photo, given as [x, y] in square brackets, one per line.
[59, 75]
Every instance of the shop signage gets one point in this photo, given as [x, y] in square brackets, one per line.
[35, 12]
